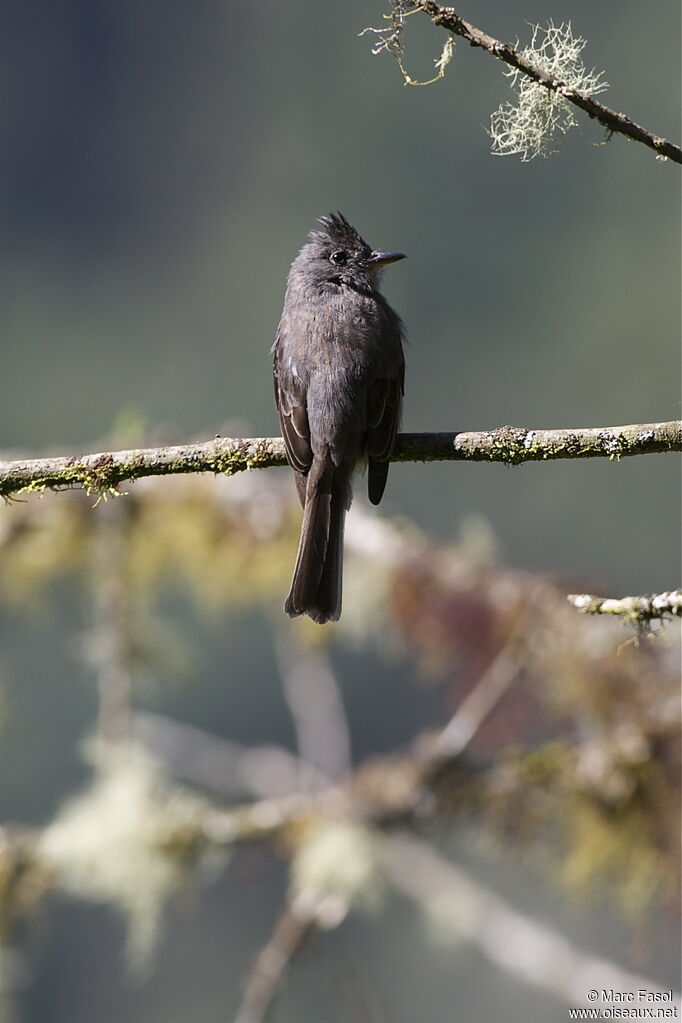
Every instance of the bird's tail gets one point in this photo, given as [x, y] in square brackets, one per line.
[316, 584]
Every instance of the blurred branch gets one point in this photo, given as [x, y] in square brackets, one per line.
[102, 473]
[226, 767]
[382, 791]
[291, 930]
[429, 781]
[612, 120]
[630, 609]
[481, 701]
[314, 700]
[516, 943]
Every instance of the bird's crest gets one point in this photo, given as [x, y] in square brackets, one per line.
[339, 232]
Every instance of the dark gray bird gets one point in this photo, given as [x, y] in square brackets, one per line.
[339, 371]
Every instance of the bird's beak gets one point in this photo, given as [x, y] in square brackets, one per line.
[383, 258]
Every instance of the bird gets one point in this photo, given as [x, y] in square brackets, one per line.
[339, 374]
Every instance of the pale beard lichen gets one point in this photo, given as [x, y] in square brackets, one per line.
[109, 843]
[335, 865]
[532, 126]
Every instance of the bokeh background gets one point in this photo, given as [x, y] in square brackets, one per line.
[161, 166]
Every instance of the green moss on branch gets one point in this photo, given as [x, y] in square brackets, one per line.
[102, 473]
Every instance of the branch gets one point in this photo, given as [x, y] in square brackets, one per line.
[291, 931]
[630, 609]
[612, 120]
[101, 473]
[477, 706]
[514, 942]
[228, 768]
[313, 697]
[300, 680]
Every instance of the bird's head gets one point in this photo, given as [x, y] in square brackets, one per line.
[337, 254]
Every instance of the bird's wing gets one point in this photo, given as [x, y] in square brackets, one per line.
[290, 397]
[383, 416]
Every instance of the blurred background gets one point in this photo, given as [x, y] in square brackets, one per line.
[161, 166]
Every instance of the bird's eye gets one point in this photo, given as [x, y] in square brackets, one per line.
[339, 258]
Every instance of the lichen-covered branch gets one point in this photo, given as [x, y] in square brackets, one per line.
[631, 609]
[103, 472]
[612, 120]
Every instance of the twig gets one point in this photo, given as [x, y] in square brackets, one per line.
[495, 681]
[477, 705]
[291, 930]
[630, 609]
[511, 940]
[611, 119]
[102, 473]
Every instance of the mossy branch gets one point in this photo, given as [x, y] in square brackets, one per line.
[639, 610]
[612, 120]
[102, 473]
